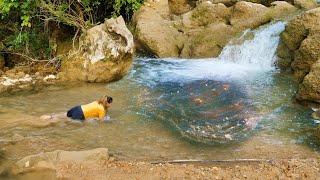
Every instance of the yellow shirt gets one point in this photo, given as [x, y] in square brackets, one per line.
[93, 110]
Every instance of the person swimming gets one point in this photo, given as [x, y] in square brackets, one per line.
[97, 109]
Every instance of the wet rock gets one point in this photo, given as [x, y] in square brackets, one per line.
[105, 55]
[51, 160]
[299, 51]
[305, 4]
[299, 28]
[18, 82]
[307, 54]
[284, 57]
[309, 89]
[208, 41]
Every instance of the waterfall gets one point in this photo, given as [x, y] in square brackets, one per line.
[236, 61]
[210, 100]
[258, 53]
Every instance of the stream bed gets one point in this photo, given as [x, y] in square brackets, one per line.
[234, 106]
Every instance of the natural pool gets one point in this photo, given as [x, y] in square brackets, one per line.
[162, 100]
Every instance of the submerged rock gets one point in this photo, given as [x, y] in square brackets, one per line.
[52, 160]
[206, 111]
[105, 54]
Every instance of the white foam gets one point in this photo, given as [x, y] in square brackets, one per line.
[235, 62]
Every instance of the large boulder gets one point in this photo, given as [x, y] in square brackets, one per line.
[156, 34]
[309, 89]
[105, 53]
[180, 6]
[299, 41]
[280, 9]
[206, 30]
[205, 14]
[248, 15]
[305, 4]
[52, 160]
[203, 31]
[208, 41]
[307, 54]
[299, 51]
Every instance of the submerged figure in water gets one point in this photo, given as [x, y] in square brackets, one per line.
[97, 109]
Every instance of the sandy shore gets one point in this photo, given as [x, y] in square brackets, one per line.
[113, 169]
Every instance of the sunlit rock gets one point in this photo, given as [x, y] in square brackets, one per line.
[300, 52]
[156, 34]
[248, 15]
[105, 53]
[305, 4]
[316, 115]
[203, 31]
[180, 6]
[309, 89]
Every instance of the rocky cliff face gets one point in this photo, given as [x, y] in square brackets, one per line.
[105, 54]
[299, 52]
[201, 31]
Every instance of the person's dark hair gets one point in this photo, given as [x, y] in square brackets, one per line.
[109, 99]
[104, 100]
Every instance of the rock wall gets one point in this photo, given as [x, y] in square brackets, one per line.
[201, 32]
[299, 52]
[105, 54]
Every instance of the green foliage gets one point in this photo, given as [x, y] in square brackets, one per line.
[33, 42]
[126, 7]
[28, 19]
[24, 8]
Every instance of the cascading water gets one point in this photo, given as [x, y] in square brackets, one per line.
[208, 100]
[253, 56]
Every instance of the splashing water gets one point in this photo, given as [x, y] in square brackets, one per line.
[236, 62]
[208, 100]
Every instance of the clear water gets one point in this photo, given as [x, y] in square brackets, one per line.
[161, 99]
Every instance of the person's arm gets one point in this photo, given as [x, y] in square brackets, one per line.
[102, 114]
